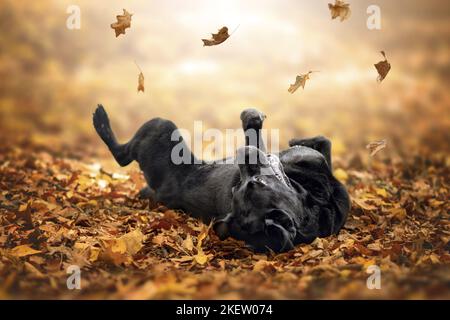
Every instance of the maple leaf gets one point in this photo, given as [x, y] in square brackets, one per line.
[376, 146]
[217, 38]
[382, 67]
[123, 22]
[339, 9]
[300, 81]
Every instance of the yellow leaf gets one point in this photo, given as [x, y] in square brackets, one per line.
[118, 246]
[341, 175]
[187, 243]
[381, 192]
[132, 241]
[201, 258]
[23, 250]
[398, 213]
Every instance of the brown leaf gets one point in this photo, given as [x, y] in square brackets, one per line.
[340, 9]
[123, 22]
[23, 251]
[217, 38]
[383, 68]
[300, 81]
[141, 82]
[375, 146]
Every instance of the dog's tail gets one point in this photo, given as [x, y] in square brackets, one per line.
[101, 124]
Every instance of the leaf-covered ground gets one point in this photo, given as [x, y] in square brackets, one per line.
[57, 211]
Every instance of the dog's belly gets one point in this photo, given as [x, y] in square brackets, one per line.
[205, 192]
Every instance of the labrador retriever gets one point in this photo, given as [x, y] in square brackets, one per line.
[270, 201]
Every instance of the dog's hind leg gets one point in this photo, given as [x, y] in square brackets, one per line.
[121, 152]
[319, 143]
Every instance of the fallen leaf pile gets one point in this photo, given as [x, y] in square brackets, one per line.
[56, 211]
[123, 22]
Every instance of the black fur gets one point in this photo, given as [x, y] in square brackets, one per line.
[274, 203]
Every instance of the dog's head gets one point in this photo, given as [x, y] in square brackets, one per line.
[265, 208]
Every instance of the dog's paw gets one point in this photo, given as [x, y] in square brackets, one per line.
[101, 123]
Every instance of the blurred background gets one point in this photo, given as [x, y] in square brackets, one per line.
[52, 77]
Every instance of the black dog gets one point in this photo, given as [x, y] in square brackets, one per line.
[271, 202]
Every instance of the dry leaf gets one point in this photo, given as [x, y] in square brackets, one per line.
[376, 146]
[123, 22]
[383, 68]
[133, 241]
[340, 174]
[119, 251]
[217, 38]
[187, 243]
[141, 82]
[299, 81]
[23, 251]
[339, 9]
[201, 258]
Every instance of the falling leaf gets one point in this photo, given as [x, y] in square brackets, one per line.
[339, 9]
[300, 81]
[140, 79]
[217, 38]
[141, 82]
[376, 146]
[23, 251]
[123, 22]
[383, 68]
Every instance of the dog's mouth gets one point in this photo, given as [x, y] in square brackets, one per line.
[276, 231]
